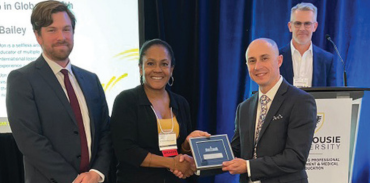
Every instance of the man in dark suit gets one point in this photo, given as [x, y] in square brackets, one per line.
[57, 111]
[306, 65]
[274, 128]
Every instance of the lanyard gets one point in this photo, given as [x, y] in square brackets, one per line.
[160, 126]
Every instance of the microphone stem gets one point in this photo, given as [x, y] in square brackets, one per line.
[341, 59]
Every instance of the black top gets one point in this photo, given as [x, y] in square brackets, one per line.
[135, 134]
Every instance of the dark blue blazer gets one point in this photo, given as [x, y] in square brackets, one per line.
[324, 67]
[285, 138]
[44, 125]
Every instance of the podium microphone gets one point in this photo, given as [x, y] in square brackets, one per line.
[344, 65]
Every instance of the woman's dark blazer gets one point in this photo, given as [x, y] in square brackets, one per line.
[135, 134]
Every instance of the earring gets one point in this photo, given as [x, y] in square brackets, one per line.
[173, 80]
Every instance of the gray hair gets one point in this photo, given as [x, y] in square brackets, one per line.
[304, 7]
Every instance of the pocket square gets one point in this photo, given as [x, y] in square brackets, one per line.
[277, 117]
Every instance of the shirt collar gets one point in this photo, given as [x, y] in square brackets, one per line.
[272, 92]
[292, 48]
[56, 67]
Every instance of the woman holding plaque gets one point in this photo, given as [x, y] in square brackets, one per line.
[151, 125]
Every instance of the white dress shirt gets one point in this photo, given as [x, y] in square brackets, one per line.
[270, 94]
[302, 64]
[56, 68]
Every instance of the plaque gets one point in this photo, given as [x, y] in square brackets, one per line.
[209, 153]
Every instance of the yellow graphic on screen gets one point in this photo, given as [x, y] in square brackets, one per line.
[129, 55]
[113, 81]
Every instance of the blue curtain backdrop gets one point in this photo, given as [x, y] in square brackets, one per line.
[209, 38]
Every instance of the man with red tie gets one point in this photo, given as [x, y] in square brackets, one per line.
[57, 111]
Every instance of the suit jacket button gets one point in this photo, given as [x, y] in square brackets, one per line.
[75, 132]
[78, 156]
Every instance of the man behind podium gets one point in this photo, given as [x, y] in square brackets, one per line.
[306, 65]
[57, 111]
[274, 128]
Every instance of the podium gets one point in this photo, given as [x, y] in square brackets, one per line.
[333, 148]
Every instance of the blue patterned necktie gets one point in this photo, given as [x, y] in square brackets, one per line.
[263, 100]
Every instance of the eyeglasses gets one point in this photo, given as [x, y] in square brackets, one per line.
[306, 24]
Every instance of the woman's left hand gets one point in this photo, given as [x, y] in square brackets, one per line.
[197, 133]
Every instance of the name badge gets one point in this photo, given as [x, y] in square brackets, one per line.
[300, 82]
[167, 144]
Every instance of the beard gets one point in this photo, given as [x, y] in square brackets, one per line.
[59, 54]
[303, 38]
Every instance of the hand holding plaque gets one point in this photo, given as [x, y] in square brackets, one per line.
[235, 166]
[210, 152]
[185, 147]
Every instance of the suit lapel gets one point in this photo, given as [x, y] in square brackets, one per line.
[275, 106]
[316, 69]
[288, 61]
[252, 125]
[50, 78]
[85, 87]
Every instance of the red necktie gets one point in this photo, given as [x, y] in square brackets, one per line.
[76, 110]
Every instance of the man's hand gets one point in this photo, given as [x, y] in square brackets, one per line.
[87, 177]
[185, 166]
[235, 166]
[189, 159]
